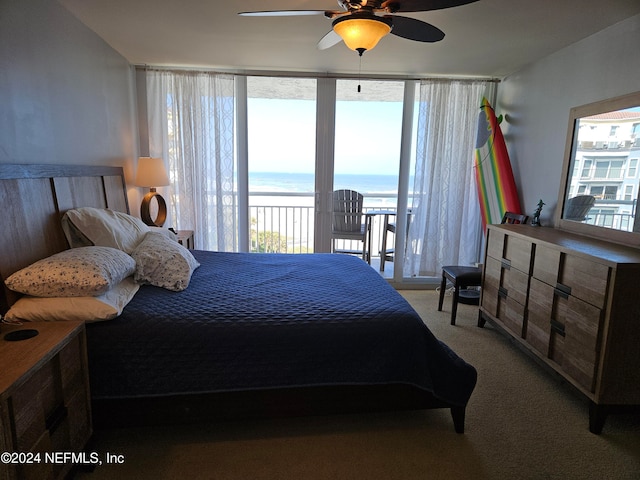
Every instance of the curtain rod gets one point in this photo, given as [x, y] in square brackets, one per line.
[263, 73]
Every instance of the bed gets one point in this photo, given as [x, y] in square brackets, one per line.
[251, 334]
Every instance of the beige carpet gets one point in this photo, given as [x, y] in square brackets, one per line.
[522, 423]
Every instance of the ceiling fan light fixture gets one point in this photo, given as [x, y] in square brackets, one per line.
[360, 32]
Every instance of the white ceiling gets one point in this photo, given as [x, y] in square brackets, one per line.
[488, 38]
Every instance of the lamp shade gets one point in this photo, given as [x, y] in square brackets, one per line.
[151, 173]
[361, 32]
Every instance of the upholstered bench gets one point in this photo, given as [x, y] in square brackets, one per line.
[462, 278]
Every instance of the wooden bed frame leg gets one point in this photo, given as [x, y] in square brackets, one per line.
[457, 413]
[597, 417]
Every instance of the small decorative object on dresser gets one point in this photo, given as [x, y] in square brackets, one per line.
[185, 238]
[536, 215]
[44, 397]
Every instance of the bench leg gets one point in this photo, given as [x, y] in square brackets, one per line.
[454, 304]
[443, 287]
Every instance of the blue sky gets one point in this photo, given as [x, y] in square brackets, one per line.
[282, 136]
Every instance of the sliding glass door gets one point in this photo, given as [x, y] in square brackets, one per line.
[308, 137]
[281, 125]
[367, 155]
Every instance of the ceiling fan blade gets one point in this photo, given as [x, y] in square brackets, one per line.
[329, 40]
[422, 5]
[289, 13]
[417, 30]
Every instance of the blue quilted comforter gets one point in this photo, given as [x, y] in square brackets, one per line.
[256, 321]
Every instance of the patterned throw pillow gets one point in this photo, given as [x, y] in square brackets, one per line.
[163, 262]
[78, 272]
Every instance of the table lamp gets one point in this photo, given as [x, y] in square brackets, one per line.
[151, 173]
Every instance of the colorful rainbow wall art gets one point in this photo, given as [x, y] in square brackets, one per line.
[494, 178]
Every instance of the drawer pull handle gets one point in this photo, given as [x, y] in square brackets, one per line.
[562, 290]
[557, 327]
[506, 264]
[56, 418]
[503, 292]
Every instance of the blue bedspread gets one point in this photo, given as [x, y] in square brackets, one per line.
[255, 321]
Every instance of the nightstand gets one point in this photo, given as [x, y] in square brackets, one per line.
[45, 404]
[185, 237]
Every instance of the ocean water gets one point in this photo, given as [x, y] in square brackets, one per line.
[304, 183]
[276, 189]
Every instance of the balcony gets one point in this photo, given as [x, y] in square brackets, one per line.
[283, 222]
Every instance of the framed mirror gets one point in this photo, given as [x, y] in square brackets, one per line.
[599, 193]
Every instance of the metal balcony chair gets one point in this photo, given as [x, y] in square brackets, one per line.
[348, 222]
[465, 277]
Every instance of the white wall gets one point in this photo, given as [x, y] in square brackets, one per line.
[536, 102]
[66, 96]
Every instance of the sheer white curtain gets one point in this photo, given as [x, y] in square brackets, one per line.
[445, 226]
[191, 126]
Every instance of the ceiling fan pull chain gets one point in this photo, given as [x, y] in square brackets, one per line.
[359, 71]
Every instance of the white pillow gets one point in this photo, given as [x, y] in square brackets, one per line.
[83, 309]
[166, 232]
[103, 227]
[78, 272]
[163, 262]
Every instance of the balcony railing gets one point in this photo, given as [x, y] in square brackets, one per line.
[617, 221]
[283, 222]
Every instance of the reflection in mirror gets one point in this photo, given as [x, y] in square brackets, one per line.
[604, 169]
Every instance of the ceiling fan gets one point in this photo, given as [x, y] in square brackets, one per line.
[362, 23]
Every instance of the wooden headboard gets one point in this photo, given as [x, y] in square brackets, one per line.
[33, 199]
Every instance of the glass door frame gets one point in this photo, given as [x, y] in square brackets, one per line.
[324, 166]
[325, 151]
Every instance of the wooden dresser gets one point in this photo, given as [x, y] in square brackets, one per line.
[44, 398]
[574, 303]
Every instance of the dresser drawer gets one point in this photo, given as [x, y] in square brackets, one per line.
[509, 281]
[495, 243]
[576, 276]
[587, 280]
[500, 302]
[511, 313]
[539, 310]
[515, 284]
[511, 250]
[517, 251]
[579, 323]
[546, 264]
[34, 403]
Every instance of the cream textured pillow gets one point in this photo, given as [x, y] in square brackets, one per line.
[78, 272]
[103, 227]
[82, 309]
[163, 262]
